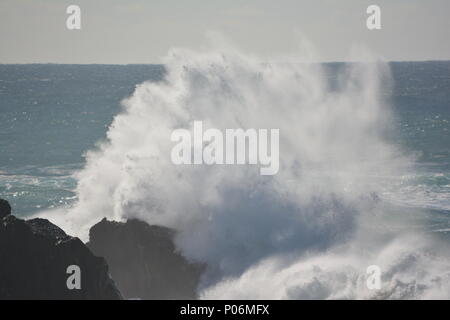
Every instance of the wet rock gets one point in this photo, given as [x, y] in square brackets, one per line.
[34, 257]
[143, 260]
[5, 208]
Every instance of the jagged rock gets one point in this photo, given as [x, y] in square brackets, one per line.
[34, 257]
[5, 208]
[143, 260]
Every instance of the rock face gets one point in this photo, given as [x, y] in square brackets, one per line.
[34, 257]
[5, 208]
[143, 261]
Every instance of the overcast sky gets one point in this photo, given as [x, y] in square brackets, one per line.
[142, 31]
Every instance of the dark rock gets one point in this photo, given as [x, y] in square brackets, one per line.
[5, 208]
[143, 260]
[34, 257]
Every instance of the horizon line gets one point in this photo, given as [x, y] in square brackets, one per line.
[162, 64]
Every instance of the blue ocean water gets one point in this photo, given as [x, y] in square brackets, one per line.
[50, 115]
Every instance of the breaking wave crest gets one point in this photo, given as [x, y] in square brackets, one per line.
[308, 232]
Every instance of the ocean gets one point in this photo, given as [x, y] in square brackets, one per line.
[52, 114]
[68, 141]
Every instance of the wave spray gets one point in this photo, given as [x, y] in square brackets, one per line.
[311, 230]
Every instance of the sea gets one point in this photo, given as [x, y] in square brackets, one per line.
[51, 114]
[52, 118]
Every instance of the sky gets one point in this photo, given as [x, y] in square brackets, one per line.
[143, 31]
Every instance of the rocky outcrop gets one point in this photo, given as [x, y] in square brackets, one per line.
[143, 260]
[5, 208]
[35, 255]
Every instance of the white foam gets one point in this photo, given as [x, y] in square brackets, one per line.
[241, 224]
